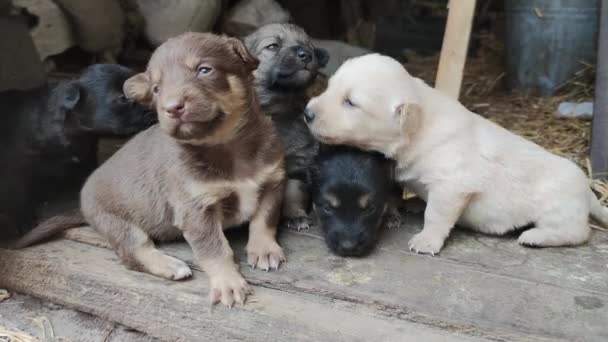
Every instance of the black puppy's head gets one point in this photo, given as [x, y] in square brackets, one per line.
[97, 103]
[287, 56]
[351, 196]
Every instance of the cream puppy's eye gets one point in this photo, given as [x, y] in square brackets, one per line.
[155, 89]
[203, 70]
[272, 47]
[347, 102]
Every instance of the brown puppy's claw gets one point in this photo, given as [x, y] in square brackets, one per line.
[265, 253]
[228, 288]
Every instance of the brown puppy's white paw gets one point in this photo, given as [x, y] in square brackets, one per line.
[426, 243]
[265, 254]
[169, 267]
[228, 288]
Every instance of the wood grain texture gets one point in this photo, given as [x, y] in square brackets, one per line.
[91, 280]
[480, 286]
[455, 45]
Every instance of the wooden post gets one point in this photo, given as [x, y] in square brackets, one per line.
[599, 128]
[455, 46]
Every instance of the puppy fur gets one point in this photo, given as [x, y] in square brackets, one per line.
[289, 64]
[353, 195]
[49, 137]
[213, 162]
[469, 170]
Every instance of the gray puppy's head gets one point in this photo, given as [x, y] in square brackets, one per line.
[287, 56]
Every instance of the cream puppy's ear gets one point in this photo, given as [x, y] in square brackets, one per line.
[410, 118]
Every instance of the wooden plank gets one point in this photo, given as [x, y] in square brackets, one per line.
[455, 46]
[599, 130]
[91, 280]
[479, 283]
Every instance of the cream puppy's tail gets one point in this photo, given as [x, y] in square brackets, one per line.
[597, 210]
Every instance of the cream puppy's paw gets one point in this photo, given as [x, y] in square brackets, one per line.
[426, 243]
[228, 288]
[265, 253]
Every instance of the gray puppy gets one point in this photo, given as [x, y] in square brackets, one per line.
[289, 64]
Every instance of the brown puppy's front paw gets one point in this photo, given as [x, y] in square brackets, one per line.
[265, 253]
[228, 288]
[426, 243]
[299, 223]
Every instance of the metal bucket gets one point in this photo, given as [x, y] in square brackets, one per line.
[546, 40]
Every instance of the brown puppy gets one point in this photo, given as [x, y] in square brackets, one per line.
[213, 162]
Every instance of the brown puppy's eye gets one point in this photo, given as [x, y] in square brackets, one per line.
[347, 102]
[203, 70]
[272, 47]
[155, 89]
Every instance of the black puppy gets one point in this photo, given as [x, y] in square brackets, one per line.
[49, 136]
[288, 65]
[354, 194]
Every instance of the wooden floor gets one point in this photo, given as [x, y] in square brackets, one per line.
[479, 288]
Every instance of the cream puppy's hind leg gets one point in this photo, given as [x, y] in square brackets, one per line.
[566, 225]
[444, 207]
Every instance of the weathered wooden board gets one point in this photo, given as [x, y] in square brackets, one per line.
[486, 286]
[478, 280]
[90, 279]
[55, 323]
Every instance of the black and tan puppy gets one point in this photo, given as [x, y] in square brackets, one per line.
[49, 137]
[289, 64]
[354, 194]
[213, 162]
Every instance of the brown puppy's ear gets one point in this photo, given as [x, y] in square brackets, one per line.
[241, 51]
[138, 88]
[410, 118]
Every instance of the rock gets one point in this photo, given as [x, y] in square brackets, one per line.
[168, 18]
[99, 25]
[582, 110]
[52, 35]
[21, 68]
[339, 52]
[248, 15]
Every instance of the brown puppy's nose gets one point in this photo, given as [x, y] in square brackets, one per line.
[304, 55]
[175, 109]
[309, 115]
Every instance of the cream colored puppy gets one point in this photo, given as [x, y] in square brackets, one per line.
[469, 170]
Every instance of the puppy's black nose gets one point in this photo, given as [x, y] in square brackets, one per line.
[304, 55]
[309, 115]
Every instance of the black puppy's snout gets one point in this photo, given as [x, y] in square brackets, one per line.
[309, 115]
[304, 55]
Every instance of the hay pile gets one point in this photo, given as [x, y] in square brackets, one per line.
[529, 116]
[15, 336]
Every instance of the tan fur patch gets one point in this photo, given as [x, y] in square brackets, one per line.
[234, 104]
[333, 200]
[364, 201]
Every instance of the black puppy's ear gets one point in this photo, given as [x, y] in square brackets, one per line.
[71, 95]
[138, 88]
[322, 56]
[243, 53]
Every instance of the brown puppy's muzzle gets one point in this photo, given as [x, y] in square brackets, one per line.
[189, 114]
